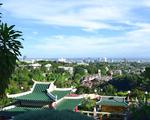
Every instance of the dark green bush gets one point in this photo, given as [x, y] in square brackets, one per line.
[142, 113]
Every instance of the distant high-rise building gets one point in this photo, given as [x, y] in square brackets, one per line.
[62, 60]
[104, 59]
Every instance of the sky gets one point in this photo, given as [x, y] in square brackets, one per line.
[81, 28]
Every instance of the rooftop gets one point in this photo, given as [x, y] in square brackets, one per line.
[18, 110]
[60, 93]
[39, 93]
[112, 101]
[68, 104]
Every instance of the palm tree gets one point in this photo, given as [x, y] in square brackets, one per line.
[9, 51]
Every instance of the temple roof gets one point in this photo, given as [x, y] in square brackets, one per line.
[39, 93]
[68, 104]
[35, 97]
[42, 92]
[18, 110]
[60, 93]
[112, 101]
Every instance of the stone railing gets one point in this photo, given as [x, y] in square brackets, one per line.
[76, 97]
[105, 115]
[63, 89]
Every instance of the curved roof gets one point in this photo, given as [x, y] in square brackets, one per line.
[112, 101]
[39, 94]
[68, 104]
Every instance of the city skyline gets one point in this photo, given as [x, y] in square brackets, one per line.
[60, 28]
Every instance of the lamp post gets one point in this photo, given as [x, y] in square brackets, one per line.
[101, 90]
[22, 87]
[95, 91]
[128, 97]
[146, 97]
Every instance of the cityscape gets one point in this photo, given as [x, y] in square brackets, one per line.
[74, 60]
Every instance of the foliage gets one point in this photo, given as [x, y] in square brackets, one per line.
[52, 115]
[144, 113]
[126, 82]
[92, 69]
[37, 74]
[87, 104]
[83, 90]
[79, 70]
[135, 93]
[147, 72]
[9, 51]
[122, 93]
[4, 102]
[110, 90]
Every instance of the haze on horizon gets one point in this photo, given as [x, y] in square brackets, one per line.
[81, 28]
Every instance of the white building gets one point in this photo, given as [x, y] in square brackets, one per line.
[69, 69]
[104, 59]
[117, 72]
[82, 63]
[62, 60]
[35, 65]
[48, 66]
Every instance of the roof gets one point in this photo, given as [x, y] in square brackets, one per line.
[60, 93]
[35, 97]
[41, 87]
[18, 110]
[39, 94]
[112, 101]
[68, 104]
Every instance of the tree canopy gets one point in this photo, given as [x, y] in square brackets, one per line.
[9, 51]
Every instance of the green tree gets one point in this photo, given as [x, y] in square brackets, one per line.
[142, 113]
[138, 94]
[83, 90]
[88, 104]
[37, 74]
[9, 51]
[110, 90]
[79, 70]
[147, 72]
[92, 69]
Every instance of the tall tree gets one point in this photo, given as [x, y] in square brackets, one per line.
[9, 51]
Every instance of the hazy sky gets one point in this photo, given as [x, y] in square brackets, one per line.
[81, 28]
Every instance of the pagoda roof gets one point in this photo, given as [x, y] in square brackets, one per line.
[68, 103]
[18, 110]
[39, 93]
[42, 92]
[35, 97]
[112, 101]
[60, 93]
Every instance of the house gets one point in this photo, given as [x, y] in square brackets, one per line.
[62, 60]
[112, 104]
[91, 80]
[117, 72]
[48, 66]
[35, 65]
[69, 69]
